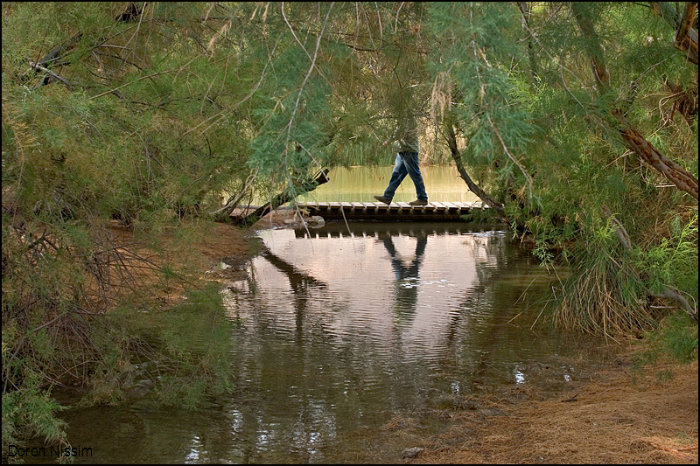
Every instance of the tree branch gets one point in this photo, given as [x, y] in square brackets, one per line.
[473, 187]
[686, 36]
[38, 66]
[682, 178]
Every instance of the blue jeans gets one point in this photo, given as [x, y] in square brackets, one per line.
[406, 164]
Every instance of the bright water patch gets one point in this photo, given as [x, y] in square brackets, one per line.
[339, 333]
[360, 184]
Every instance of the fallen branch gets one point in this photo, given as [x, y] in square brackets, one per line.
[38, 66]
[282, 198]
[232, 202]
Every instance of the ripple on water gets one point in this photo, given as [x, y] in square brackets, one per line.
[336, 335]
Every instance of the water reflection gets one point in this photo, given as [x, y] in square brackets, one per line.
[361, 285]
[407, 280]
[338, 331]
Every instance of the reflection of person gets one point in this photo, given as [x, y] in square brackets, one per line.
[406, 147]
[406, 278]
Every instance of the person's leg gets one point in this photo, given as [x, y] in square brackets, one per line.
[397, 175]
[410, 161]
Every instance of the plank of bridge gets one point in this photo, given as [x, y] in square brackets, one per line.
[357, 206]
[370, 205]
[406, 208]
[438, 206]
[451, 205]
[380, 206]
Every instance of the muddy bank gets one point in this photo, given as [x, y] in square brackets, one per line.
[625, 416]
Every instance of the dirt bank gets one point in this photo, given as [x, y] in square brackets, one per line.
[626, 416]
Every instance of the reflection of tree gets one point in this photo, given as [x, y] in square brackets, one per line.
[292, 401]
[297, 279]
[299, 282]
[406, 286]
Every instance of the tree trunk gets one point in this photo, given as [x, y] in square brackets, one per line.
[682, 178]
[530, 51]
[686, 38]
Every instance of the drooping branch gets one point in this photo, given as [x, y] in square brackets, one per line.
[456, 156]
[38, 66]
[233, 201]
[52, 58]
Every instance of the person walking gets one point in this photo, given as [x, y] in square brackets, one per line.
[406, 147]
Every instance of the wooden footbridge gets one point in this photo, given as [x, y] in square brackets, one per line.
[378, 211]
[394, 211]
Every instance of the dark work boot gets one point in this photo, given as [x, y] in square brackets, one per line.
[383, 199]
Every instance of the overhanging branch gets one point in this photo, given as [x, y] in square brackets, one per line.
[456, 156]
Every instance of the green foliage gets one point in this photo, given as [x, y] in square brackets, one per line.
[675, 339]
[30, 412]
[542, 114]
[188, 345]
[674, 259]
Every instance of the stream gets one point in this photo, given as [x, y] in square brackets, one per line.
[345, 335]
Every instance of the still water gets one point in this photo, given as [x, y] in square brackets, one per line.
[340, 335]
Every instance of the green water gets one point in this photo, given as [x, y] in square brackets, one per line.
[359, 184]
[338, 335]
